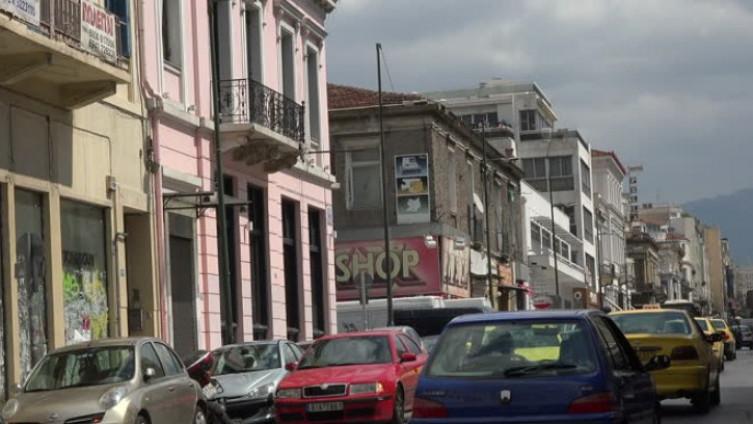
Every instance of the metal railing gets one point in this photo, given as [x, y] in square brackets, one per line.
[245, 101]
[62, 17]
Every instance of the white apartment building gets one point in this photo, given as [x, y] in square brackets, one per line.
[608, 176]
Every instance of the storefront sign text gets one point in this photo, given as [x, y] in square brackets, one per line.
[98, 31]
[27, 10]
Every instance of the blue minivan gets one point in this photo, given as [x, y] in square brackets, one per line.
[536, 367]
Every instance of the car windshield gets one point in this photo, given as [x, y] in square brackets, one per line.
[81, 368]
[246, 358]
[703, 324]
[653, 323]
[514, 349]
[347, 351]
[718, 324]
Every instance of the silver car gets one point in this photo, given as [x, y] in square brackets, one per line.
[249, 374]
[114, 381]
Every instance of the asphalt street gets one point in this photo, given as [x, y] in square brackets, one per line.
[737, 397]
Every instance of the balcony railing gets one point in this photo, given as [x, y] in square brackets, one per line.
[245, 101]
[62, 17]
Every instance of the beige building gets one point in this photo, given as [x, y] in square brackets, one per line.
[77, 235]
[713, 242]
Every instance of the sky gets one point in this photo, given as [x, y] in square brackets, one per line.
[667, 84]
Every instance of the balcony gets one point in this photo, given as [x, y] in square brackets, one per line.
[56, 55]
[260, 125]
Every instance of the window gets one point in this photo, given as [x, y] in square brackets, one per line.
[618, 357]
[410, 344]
[347, 350]
[527, 120]
[575, 257]
[364, 178]
[290, 243]
[535, 237]
[312, 105]
[31, 270]
[534, 168]
[546, 238]
[565, 250]
[452, 176]
[570, 212]
[588, 225]
[170, 364]
[84, 272]
[120, 9]
[288, 355]
[591, 267]
[149, 359]
[316, 262]
[287, 53]
[400, 346]
[561, 171]
[585, 178]
[474, 120]
[172, 37]
[253, 43]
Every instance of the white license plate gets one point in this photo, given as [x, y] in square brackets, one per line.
[325, 407]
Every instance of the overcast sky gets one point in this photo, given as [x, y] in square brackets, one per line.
[666, 83]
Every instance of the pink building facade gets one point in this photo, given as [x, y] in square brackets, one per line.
[274, 121]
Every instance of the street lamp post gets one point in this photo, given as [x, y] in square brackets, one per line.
[385, 215]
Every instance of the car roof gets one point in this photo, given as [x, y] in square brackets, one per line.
[525, 315]
[128, 341]
[253, 343]
[381, 332]
[649, 311]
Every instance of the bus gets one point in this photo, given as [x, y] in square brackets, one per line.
[691, 308]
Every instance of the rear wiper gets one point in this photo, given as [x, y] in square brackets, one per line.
[531, 369]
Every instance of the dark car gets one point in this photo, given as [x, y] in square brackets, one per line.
[743, 336]
[534, 367]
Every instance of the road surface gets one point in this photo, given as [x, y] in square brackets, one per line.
[737, 397]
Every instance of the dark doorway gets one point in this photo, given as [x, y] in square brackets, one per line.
[290, 253]
[259, 265]
[183, 285]
[316, 259]
[232, 250]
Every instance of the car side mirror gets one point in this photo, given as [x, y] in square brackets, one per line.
[408, 357]
[658, 362]
[714, 338]
[291, 366]
[149, 374]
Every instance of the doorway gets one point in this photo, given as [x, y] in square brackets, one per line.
[183, 285]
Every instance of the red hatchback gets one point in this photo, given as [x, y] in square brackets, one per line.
[353, 378]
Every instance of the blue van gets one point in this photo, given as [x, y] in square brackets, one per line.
[536, 367]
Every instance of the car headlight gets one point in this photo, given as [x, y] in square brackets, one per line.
[112, 397]
[358, 389]
[10, 409]
[289, 394]
[262, 391]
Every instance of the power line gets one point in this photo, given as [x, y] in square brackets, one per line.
[387, 68]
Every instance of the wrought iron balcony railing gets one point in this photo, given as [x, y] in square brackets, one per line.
[245, 101]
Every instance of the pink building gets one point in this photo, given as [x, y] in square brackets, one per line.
[274, 120]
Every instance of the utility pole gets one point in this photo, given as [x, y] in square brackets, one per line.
[228, 332]
[484, 176]
[551, 216]
[385, 215]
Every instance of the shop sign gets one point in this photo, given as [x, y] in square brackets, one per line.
[416, 271]
[98, 31]
[542, 302]
[456, 267]
[27, 10]
[412, 188]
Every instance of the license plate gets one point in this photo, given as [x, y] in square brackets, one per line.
[325, 407]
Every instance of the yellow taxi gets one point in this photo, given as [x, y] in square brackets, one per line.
[694, 370]
[730, 350]
[708, 329]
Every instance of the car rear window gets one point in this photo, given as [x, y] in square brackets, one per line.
[513, 349]
[358, 350]
[665, 322]
[703, 324]
[718, 324]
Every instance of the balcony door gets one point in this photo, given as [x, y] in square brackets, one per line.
[253, 43]
[287, 52]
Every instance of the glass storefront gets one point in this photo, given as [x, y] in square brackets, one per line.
[31, 274]
[85, 272]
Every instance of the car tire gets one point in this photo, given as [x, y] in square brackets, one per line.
[716, 397]
[398, 414]
[199, 417]
[142, 419]
[702, 401]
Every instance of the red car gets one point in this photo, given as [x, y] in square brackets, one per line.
[353, 378]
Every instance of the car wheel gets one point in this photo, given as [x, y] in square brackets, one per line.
[142, 419]
[716, 397]
[702, 401]
[398, 415]
[199, 416]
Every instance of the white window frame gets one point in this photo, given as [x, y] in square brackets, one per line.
[158, 6]
[312, 47]
[253, 7]
[349, 165]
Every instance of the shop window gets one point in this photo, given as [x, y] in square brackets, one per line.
[31, 272]
[85, 272]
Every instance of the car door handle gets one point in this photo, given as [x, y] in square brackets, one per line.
[171, 389]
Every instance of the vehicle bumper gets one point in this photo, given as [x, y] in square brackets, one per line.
[608, 418]
[250, 411]
[681, 381]
[729, 348]
[374, 409]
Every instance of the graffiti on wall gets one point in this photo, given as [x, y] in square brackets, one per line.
[85, 298]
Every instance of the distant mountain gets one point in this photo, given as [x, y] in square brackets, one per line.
[733, 213]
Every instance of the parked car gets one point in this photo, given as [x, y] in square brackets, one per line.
[108, 381]
[743, 336]
[249, 374]
[408, 332]
[718, 347]
[430, 342]
[730, 351]
[352, 378]
[694, 373]
[558, 366]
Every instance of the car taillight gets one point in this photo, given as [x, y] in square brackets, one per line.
[684, 353]
[725, 336]
[593, 404]
[425, 408]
